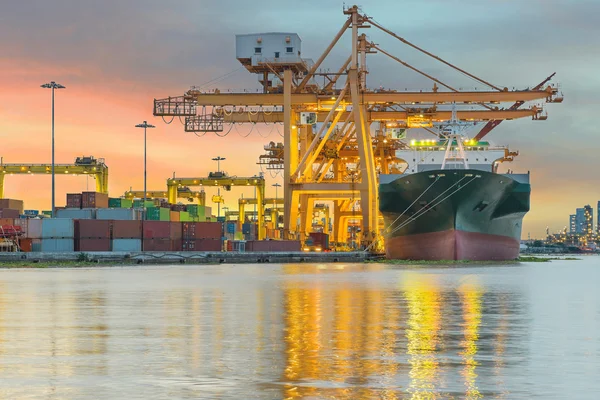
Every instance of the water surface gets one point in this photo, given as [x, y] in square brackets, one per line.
[347, 331]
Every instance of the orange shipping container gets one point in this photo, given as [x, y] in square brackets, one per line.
[174, 215]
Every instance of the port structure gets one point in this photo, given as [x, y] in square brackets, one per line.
[182, 193]
[267, 203]
[82, 166]
[221, 179]
[346, 109]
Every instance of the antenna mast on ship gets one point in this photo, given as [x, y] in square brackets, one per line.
[455, 154]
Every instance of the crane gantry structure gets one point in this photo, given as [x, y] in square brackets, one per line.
[82, 166]
[329, 150]
[182, 192]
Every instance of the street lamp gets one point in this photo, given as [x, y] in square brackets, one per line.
[276, 185]
[218, 159]
[145, 125]
[52, 85]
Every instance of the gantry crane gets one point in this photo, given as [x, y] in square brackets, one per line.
[221, 179]
[313, 165]
[182, 193]
[82, 166]
[268, 202]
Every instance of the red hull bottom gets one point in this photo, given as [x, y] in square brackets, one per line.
[452, 245]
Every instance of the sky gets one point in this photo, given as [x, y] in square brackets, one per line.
[116, 56]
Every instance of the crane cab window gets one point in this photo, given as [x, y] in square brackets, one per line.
[257, 50]
[289, 49]
[276, 54]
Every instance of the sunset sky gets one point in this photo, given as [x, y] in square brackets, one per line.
[116, 56]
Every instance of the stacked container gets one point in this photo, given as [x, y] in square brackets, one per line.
[176, 236]
[320, 239]
[126, 235]
[92, 235]
[57, 235]
[157, 236]
[127, 214]
[74, 200]
[12, 204]
[273, 245]
[202, 236]
[119, 203]
[94, 200]
[76, 213]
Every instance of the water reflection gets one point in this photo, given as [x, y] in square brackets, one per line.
[373, 341]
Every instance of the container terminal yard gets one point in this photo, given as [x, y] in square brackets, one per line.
[339, 138]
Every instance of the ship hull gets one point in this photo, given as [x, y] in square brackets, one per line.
[454, 215]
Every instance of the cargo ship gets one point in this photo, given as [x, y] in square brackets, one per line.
[450, 203]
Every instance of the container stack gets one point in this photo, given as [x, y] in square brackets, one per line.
[273, 245]
[320, 239]
[11, 208]
[126, 235]
[201, 236]
[57, 235]
[157, 236]
[92, 235]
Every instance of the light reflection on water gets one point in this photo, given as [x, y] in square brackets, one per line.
[301, 331]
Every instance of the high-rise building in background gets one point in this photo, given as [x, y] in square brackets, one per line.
[588, 224]
[572, 224]
[579, 220]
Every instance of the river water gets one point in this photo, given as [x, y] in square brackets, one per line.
[347, 331]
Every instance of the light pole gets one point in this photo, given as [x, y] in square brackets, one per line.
[225, 209]
[218, 159]
[276, 186]
[145, 125]
[52, 85]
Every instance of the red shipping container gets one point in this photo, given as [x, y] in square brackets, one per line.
[202, 230]
[23, 223]
[7, 221]
[95, 244]
[92, 228]
[25, 244]
[74, 200]
[176, 245]
[156, 229]
[9, 213]
[12, 204]
[273, 245]
[202, 245]
[94, 200]
[126, 229]
[160, 244]
[176, 230]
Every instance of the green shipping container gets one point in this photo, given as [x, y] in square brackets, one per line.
[126, 203]
[153, 214]
[48, 213]
[184, 216]
[138, 204]
[192, 209]
[114, 202]
[165, 214]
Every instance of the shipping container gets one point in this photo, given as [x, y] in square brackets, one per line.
[57, 228]
[74, 200]
[174, 216]
[177, 245]
[94, 200]
[192, 209]
[176, 230]
[231, 227]
[36, 245]
[12, 204]
[117, 202]
[157, 244]
[249, 228]
[57, 245]
[126, 214]
[177, 207]
[23, 224]
[202, 230]
[238, 246]
[92, 244]
[157, 230]
[202, 245]
[76, 213]
[34, 228]
[127, 245]
[31, 213]
[273, 245]
[320, 239]
[9, 213]
[184, 216]
[92, 229]
[25, 244]
[122, 229]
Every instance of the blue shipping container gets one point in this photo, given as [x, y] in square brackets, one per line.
[57, 245]
[31, 212]
[121, 214]
[231, 227]
[76, 213]
[127, 245]
[53, 228]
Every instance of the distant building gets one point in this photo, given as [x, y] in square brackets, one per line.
[598, 216]
[588, 224]
[579, 220]
[572, 224]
